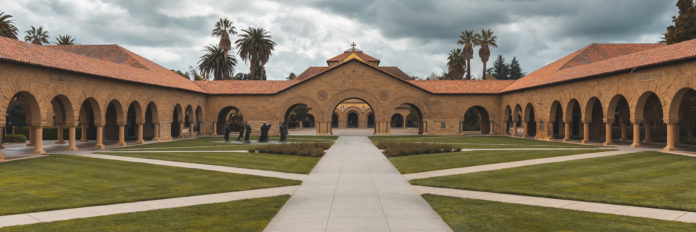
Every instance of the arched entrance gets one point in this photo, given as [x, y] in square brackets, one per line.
[530, 121]
[63, 118]
[334, 120]
[23, 113]
[298, 115]
[133, 120]
[476, 119]
[618, 114]
[199, 119]
[508, 120]
[649, 113]
[177, 122]
[151, 125]
[687, 117]
[352, 119]
[350, 116]
[573, 116]
[114, 122]
[397, 121]
[371, 120]
[556, 117]
[231, 115]
[594, 115]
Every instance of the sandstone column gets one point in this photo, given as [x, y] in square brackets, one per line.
[140, 134]
[181, 130]
[566, 132]
[191, 130]
[215, 132]
[525, 128]
[156, 132]
[636, 134]
[491, 130]
[60, 135]
[122, 135]
[672, 136]
[38, 140]
[514, 128]
[100, 137]
[585, 132]
[2, 129]
[623, 131]
[608, 134]
[31, 136]
[83, 135]
[71, 138]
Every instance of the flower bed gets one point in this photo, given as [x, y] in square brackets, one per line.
[394, 149]
[300, 149]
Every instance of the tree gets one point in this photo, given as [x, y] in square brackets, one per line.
[65, 40]
[467, 39]
[298, 113]
[456, 64]
[36, 36]
[241, 76]
[500, 69]
[223, 29]
[7, 27]
[193, 74]
[218, 62]
[291, 76]
[255, 46]
[485, 40]
[183, 74]
[684, 27]
[515, 71]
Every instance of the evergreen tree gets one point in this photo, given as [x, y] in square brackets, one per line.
[514, 70]
[500, 69]
[684, 27]
[291, 76]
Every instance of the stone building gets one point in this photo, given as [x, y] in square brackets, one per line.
[638, 93]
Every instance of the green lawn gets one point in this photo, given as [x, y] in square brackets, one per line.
[477, 141]
[478, 215]
[281, 163]
[243, 215]
[649, 179]
[59, 182]
[429, 162]
[217, 143]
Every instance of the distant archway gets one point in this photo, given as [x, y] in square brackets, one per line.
[557, 120]
[397, 121]
[231, 115]
[594, 115]
[476, 119]
[530, 120]
[352, 119]
[177, 119]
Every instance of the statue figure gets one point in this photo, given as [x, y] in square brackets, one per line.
[227, 132]
[262, 136]
[247, 131]
[241, 131]
[283, 132]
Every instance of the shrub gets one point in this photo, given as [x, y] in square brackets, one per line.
[299, 149]
[394, 149]
[15, 138]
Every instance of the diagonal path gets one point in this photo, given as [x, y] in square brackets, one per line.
[103, 210]
[355, 188]
[624, 210]
[283, 175]
[497, 166]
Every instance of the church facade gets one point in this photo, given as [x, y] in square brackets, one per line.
[632, 93]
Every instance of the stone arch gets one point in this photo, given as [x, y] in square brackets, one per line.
[309, 102]
[308, 122]
[177, 120]
[573, 115]
[31, 107]
[618, 113]
[681, 112]
[89, 119]
[508, 119]
[294, 122]
[556, 120]
[151, 122]
[189, 119]
[397, 121]
[530, 120]
[352, 119]
[134, 117]
[337, 100]
[113, 118]
[224, 115]
[63, 110]
[593, 119]
[476, 117]
[199, 119]
[650, 113]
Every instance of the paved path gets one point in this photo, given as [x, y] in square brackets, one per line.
[624, 210]
[355, 188]
[284, 175]
[95, 211]
[497, 166]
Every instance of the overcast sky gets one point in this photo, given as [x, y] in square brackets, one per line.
[415, 35]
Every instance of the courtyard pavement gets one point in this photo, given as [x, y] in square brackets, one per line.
[355, 188]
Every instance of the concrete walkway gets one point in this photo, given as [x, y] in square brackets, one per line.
[103, 210]
[283, 175]
[624, 210]
[497, 166]
[355, 188]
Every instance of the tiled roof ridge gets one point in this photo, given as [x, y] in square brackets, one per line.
[595, 52]
[135, 63]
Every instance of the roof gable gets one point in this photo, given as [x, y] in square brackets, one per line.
[599, 52]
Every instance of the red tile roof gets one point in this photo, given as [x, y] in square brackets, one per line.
[310, 72]
[245, 87]
[598, 52]
[87, 59]
[462, 86]
[559, 71]
[396, 71]
[360, 54]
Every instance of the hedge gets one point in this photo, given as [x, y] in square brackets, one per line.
[299, 149]
[394, 149]
[14, 138]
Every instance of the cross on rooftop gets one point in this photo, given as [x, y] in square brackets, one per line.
[353, 45]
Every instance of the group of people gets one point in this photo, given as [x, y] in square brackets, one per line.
[245, 130]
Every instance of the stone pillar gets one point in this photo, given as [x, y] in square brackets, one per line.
[566, 131]
[2, 128]
[585, 132]
[514, 128]
[122, 135]
[608, 134]
[71, 138]
[491, 129]
[525, 129]
[636, 134]
[191, 130]
[83, 136]
[672, 136]
[215, 132]
[31, 137]
[624, 134]
[60, 135]
[140, 134]
[38, 140]
[181, 130]
[156, 137]
[647, 132]
[100, 137]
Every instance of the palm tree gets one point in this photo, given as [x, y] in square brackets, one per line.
[218, 62]
[223, 29]
[36, 36]
[65, 40]
[255, 45]
[456, 64]
[484, 40]
[7, 27]
[467, 39]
